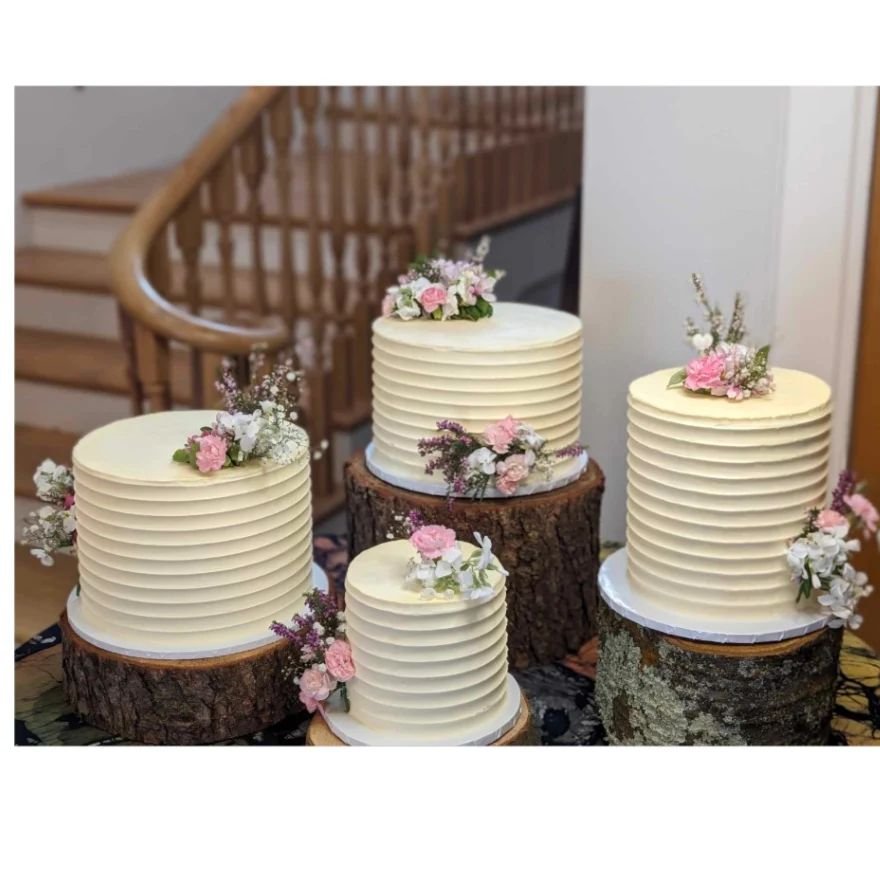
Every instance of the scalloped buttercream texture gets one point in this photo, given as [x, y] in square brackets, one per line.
[524, 361]
[716, 489]
[425, 669]
[171, 559]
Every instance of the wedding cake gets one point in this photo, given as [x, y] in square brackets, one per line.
[174, 561]
[717, 488]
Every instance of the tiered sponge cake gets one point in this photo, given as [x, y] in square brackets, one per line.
[524, 361]
[717, 488]
[177, 563]
[429, 672]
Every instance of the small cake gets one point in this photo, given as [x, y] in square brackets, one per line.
[524, 361]
[429, 671]
[716, 490]
[173, 561]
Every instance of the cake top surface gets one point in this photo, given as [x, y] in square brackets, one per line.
[512, 326]
[796, 394]
[380, 573]
[139, 450]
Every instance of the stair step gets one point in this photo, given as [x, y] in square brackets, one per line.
[120, 194]
[32, 446]
[89, 362]
[67, 270]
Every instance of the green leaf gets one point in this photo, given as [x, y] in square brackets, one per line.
[484, 309]
[762, 355]
[181, 455]
[677, 378]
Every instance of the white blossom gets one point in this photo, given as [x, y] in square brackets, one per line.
[482, 460]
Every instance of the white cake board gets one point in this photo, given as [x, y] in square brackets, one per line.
[490, 728]
[567, 471]
[618, 592]
[108, 642]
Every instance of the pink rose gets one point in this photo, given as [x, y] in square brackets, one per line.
[830, 519]
[705, 374]
[500, 435]
[432, 297]
[211, 455]
[338, 660]
[69, 500]
[432, 541]
[314, 688]
[388, 306]
[509, 473]
[864, 510]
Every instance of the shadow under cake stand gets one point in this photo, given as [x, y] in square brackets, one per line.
[165, 699]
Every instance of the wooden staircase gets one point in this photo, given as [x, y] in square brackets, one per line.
[281, 228]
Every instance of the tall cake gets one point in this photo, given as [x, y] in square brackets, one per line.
[428, 672]
[177, 562]
[524, 361]
[717, 488]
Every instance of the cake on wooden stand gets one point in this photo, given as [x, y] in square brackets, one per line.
[476, 425]
[702, 637]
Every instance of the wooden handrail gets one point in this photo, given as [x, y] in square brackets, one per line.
[130, 255]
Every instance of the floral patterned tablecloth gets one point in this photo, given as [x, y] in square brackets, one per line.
[560, 694]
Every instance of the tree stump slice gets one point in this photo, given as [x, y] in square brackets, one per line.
[657, 689]
[522, 733]
[176, 702]
[549, 543]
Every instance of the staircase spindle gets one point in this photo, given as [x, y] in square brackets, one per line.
[222, 195]
[383, 183]
[359, 328]
[253, 165]
[189, 236]
[406, 244]
[424, 204]
[447, 171]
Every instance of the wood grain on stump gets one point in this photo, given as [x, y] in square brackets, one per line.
[548, 542]
[176, 702]
[521, 734]
[657, 689]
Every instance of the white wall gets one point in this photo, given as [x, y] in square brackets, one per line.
[64, 134]
[678, 180]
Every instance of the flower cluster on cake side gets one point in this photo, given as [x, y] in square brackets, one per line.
[52, 528]
[503, 456]
[259, 422]
[725, 366]
[819, 557]
[441, 289]
[321, 662]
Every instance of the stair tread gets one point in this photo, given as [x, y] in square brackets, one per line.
[90, 362]
[32, 446]
[69, 270]
[121, 193]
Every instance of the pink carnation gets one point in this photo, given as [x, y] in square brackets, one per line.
[830, 519]
[432, 297]
[339, 662]
[69, 500]
[387, 306]
[433, 541]
[211, 455]
[705, 373]
[500, 435]
[509, 473]
[314, 687]
[864, 510]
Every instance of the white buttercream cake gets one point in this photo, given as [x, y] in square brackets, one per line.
[524, 361]
[427, 671]
[716, 489]
[174, 561]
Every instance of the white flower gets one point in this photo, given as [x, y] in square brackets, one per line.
[318, 628]
[701, 341]
[449, 594]
[530, 437]
[482, 460]
[43, 556]
[428, 593]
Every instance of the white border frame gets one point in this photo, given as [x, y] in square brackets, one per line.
[823, 220]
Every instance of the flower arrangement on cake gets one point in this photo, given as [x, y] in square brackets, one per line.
[503, 456]
[258, 422]
[52, 528]
[724, 366]
[819, 557]
[441, 289]
[440, 570]
[322, 663]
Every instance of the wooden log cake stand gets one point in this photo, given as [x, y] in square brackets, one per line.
[657, 689]
[176, 702]
[522, 733]
[549, 542]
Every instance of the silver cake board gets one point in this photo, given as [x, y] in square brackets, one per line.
[107, 642]
[618, 593]
[567, 472]
[489, 729]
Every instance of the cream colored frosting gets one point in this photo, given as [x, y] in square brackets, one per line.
[173, 560]
[524, 361]
[424, 668]
[716, 488]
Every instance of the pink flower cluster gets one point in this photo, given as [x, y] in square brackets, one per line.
[730, 370]
[432, 541]
[316, 684]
